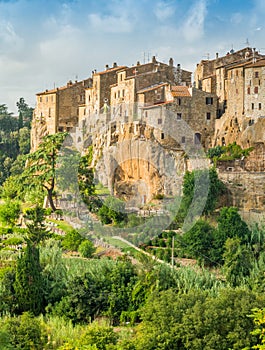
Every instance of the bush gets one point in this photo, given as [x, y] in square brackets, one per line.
[9, 212]
[72, 240]
[25, 332]
[99, 336]
[86, 249]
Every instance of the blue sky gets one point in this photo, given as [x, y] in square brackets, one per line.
[46, 43]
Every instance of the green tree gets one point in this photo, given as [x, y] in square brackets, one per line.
[162, 315]
[25, 113]
[24, 140]
[36, 228]
[237, 261]
[41, 165]
[9, 212]
[86, 183]
[7, 293]
[54, 272]
[258, 316]
[112, 211]
[202, 186]
[221, 322]
[122, 279]
[28, 283]
[86, 249]
[86, 297]
[230, 225]
[198, 242]
[101, 336]
[11, 188]
[25, 332]
[72, 240]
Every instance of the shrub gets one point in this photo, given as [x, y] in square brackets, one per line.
[86, 249]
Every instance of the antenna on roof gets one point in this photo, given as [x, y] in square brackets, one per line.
[247, 42]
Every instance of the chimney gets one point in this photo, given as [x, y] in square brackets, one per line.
[106, 66]
[114, 65]
[138, 63]
[178, 66]
[216, 55]
[171, 62]
[154, 59]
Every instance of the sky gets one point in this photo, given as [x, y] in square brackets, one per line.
[45, 43]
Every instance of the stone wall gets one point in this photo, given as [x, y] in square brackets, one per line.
[247, 189]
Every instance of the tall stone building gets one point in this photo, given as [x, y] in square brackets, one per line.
[57, 110]
[238, 81]
[196, 110]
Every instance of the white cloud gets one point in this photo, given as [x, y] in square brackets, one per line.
[193, 27]
[110, 23]
[164, 10]
[8, 37]
[237, 18]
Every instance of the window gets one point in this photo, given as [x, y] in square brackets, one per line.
[47, 98]
[208, 115]
[52, 98]
[49, 111]
[40, 98]
[248, 90]
[183, 139]
[256, 90]
[256, 74]
[259, 106]
[197, 138]
[179, 101]
[162, 136]
[209, 100]
[236, 91]
[237, 73]
[252, 105]
[159, 121]
[179, 116]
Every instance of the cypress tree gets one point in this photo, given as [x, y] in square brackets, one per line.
[28, 282]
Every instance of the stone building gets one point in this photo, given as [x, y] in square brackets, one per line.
[254, 90]
[193, 110]
[237, 80]
[98, 94]
[57, 110]
[124, 93]
[211, 75]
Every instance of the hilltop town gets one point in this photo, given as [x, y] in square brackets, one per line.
[132, 115]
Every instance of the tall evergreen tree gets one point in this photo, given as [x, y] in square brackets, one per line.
[28, 282]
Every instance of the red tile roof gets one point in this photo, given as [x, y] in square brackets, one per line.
[182, 91]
